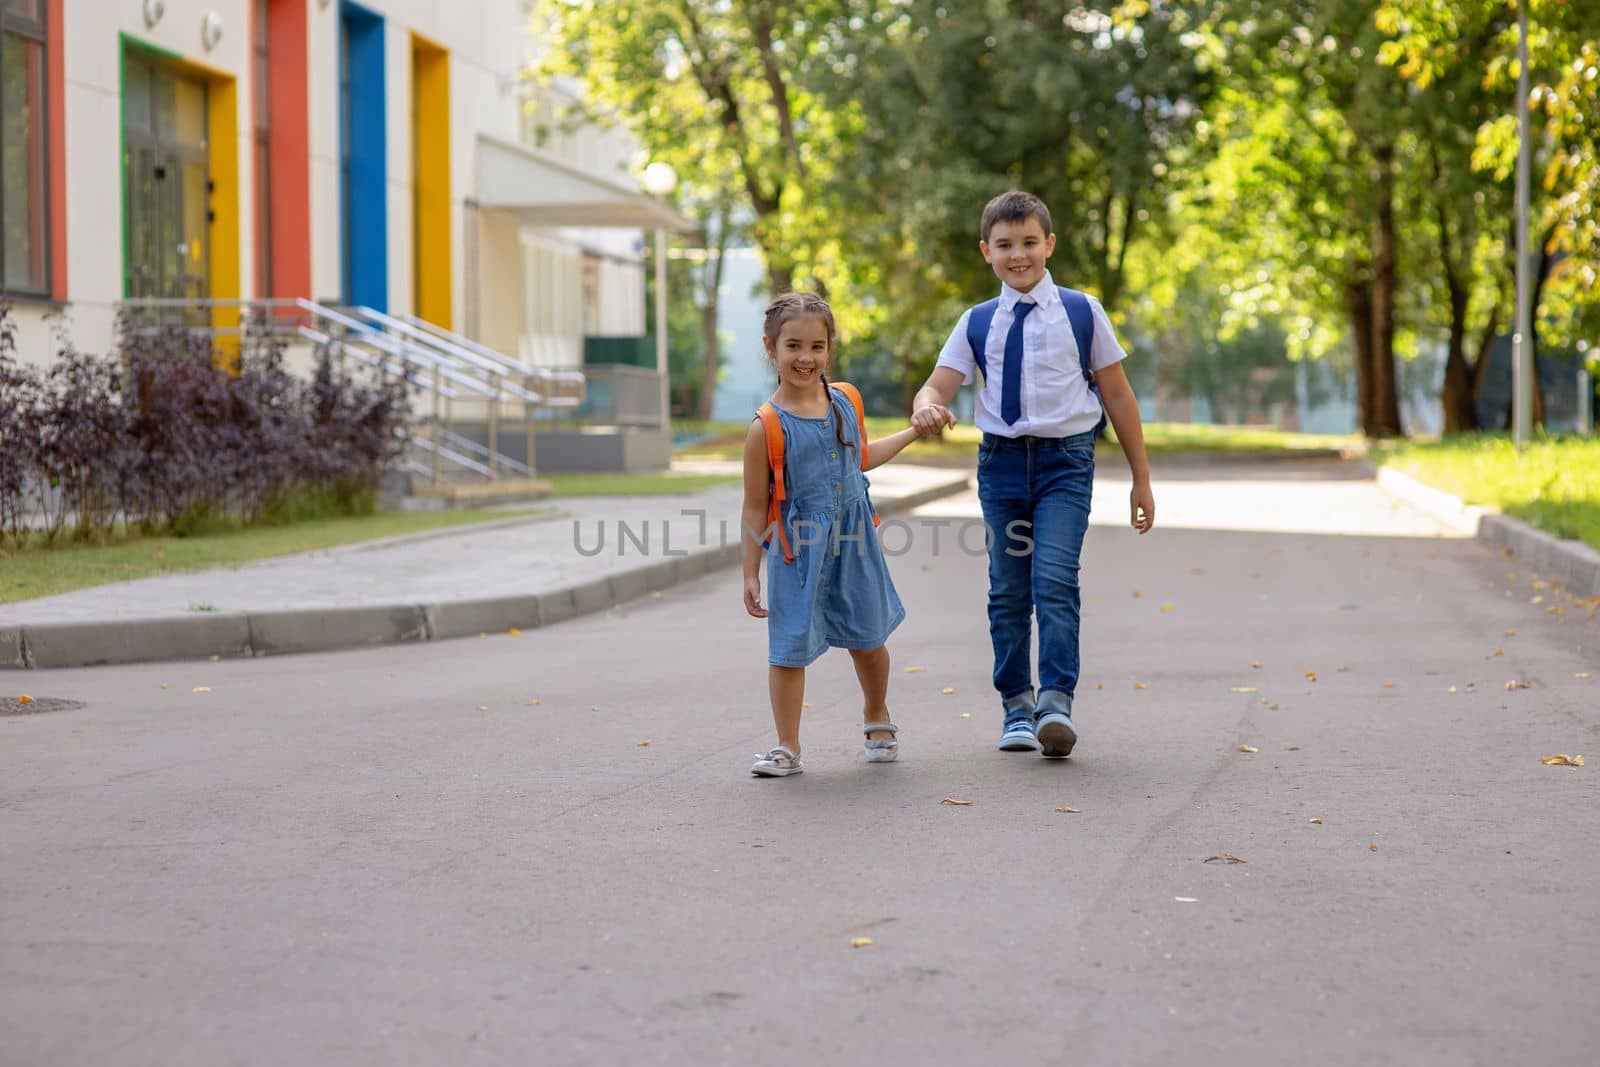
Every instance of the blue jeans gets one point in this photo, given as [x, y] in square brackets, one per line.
[1035, 493]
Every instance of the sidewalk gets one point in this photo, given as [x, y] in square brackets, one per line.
[589, 555]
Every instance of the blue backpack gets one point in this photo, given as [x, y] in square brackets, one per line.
[1079, 314]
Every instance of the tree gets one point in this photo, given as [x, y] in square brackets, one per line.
[718, 90]
[956, 103]
[1468, 50]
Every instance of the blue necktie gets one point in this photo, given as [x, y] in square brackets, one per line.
[1011, 373]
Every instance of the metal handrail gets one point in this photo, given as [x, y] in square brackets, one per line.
[473, 448]
[546, 374]
[489, 366]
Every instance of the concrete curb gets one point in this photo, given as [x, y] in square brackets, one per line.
[267, 633]
[1573, 563]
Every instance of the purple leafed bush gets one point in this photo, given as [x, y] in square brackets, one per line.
[163, 438]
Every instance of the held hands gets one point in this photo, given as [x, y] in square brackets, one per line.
[752, 597]
[931, 419]
[1142, 507]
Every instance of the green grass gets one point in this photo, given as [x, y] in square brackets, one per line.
[1162, 438]
[1554, 484]
[1174, 437]
[664, 483]
[38, 571]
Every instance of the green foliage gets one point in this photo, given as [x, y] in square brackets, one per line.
[959, 102]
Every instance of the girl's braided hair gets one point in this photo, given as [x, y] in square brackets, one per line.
[788, 306]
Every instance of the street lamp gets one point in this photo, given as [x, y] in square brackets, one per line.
[659, 181]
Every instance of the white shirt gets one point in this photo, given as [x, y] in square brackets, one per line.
[1056, 401]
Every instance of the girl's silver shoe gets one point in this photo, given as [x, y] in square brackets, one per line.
[882, 750]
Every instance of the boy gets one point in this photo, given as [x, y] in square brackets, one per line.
[1039, 412]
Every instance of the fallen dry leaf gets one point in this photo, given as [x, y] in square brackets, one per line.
[954, 803]
[1452, 689]
[1583, 676]
[860, 942]
[1556, 609]
[1537, 585]
[1197, 571]
[1536, 600]
[594, 707]
[1511, 633]
[1391, 685]
[1186, 900]
[1294, 748]
[1562, 760]
[24, 699]
[1137, 593]
[1226, 857]
[535, 702]
[915, 670]
[1244, 689]
[1372, 847]
[1138, 685]
[966, 714]
[1264, 702]
[1344, 668]
[1070, 811]
[513, 632]
[1515, 684]
[1168, 607]
[644, 744]
[485, 707]
[1256, 665]
[1316, 821]
[1311, 676]
[1099, 685]
[947, 690]
[655, 596]
[201, 689]
[1248, 748]
[805, 703]
[1499, 652]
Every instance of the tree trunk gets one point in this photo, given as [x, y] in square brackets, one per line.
[1358, 299]
[1385, 393]
[710, 304]
[1459, 398]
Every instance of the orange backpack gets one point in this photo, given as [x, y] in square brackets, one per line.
[774, 431]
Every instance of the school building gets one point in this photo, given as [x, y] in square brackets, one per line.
[384, 161]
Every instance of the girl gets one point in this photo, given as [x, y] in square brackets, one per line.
[829, 582]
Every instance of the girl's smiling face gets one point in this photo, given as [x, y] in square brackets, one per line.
[801, 351]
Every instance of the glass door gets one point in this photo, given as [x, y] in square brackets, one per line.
[166, 170]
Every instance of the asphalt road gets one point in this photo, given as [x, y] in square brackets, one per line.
[466, 852]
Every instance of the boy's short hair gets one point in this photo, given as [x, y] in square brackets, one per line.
[1015, 206]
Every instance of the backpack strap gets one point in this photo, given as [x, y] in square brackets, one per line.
[979, 319]
[773, 428]
[852, 394]
[1081, 315]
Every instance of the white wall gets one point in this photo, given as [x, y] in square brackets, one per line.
[487, 50]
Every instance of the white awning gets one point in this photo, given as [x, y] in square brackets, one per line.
[542, 191]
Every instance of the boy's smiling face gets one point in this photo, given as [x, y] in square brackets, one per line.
[1017, 251]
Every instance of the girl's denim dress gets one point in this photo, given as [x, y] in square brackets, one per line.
[837, 591]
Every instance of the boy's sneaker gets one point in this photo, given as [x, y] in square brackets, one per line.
[779, 763]
[1056, 734]
[1018, 736]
